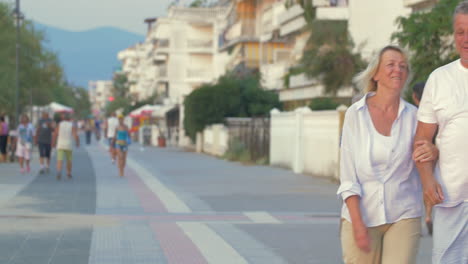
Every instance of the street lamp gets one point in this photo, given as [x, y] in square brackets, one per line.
[18, 18]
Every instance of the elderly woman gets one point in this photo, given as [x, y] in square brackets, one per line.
[379, 183]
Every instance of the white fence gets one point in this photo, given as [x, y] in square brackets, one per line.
[214, 141]
[307, 141]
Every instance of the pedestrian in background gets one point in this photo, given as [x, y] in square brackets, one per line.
[111, 125]
[24, 140]
[379, 183]
[88, 128]
[443, 113]
[418, 90]
[64, 133]
[43, 139]
[3, 138]
[97, 129]
[122, 139]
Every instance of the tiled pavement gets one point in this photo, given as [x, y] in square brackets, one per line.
[171, 207]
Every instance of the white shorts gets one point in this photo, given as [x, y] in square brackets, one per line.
[450, 235]
[22, 151]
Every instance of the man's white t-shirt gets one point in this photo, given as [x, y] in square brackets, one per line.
[112, 124]
[64, 140]
[445, 102]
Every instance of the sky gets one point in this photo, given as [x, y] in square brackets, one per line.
[81, 15]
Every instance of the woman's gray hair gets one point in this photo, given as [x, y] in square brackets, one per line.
[462, 8]
[365, 79]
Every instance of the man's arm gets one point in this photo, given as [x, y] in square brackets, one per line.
[36, 136]
[431, 188]
[75, 135]
[106, 124]
[54, 137]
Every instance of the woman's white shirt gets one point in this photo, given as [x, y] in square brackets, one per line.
[379, 169]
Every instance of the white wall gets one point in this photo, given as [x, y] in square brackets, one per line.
[372, 22]
[215, 140]
[306, 141]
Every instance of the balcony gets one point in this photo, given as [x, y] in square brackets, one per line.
[200, 45]
[332, 13]
[199, 74]
[160, 58]
[291, 20]
[331, 9]
[272, 75]
[300, 80]
[242, 31]
[292, 26]
[290, 14]
[411, 3]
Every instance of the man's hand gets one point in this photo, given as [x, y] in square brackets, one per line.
[428, 218]
[361, 237]
[432, 191]
[425, 151]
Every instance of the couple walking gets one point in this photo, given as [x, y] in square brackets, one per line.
[386, 142]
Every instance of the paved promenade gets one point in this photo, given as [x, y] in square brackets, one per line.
[171, 207]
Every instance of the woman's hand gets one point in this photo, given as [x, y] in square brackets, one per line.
[361, 237]
[425, 151]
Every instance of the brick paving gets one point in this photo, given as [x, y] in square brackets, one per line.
[171, 207]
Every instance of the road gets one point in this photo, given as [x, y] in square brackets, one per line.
[172, 206]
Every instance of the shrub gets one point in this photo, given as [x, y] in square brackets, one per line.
[323, 104]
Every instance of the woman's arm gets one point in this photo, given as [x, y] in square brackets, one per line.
[361, 236]
[350, 187]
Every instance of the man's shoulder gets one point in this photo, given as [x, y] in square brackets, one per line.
[447, 68]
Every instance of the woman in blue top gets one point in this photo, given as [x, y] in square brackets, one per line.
[121, 141]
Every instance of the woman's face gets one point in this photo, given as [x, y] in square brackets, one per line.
[392, 72]
[24, 119]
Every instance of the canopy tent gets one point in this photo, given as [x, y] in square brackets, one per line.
[59, 108]
[161, 111]
[143, 110]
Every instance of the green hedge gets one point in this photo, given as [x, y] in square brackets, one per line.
[231, 96]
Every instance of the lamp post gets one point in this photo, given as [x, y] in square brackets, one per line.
[18, 18]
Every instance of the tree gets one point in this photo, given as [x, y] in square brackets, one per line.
[428, 37]
[40, 73]
[231, 96]
[198, 3]
[328, 55]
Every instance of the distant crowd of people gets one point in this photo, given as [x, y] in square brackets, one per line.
[48, 135]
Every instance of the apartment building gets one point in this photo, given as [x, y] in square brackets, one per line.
[100, 92]
[249, 35]
[370, 25]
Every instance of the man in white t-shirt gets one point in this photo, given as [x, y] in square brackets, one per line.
[444, 106]
[64, 133]
[111, 124]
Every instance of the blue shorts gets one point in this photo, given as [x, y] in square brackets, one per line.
[122, 148]
[111, 142]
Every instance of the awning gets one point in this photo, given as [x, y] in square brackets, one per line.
[59, 108]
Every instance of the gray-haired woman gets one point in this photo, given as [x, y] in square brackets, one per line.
[379, 183]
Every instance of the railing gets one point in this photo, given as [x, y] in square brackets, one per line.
[199, 44]
[409, 3]
[328, 3]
